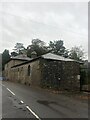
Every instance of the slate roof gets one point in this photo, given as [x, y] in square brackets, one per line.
[21, 57]
[55, 57]
[48, 56]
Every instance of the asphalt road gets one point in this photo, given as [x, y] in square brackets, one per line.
[12, 107]
[20, 101]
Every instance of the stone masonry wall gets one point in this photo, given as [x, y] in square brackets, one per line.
[20, 74]
[49, 73]
[8, 69]
[60, 75]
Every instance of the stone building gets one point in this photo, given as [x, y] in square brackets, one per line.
[48, 70]
[14, 61]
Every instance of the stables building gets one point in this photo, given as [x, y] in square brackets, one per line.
[48, 70]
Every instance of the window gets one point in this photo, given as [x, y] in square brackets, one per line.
[21, 68]
[29, 70]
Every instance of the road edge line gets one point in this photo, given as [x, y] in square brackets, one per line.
[32, 112]
[10, 91]
[21, 101]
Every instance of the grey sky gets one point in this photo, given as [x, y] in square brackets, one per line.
[23, 21]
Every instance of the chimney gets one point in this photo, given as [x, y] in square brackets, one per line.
[33, 54]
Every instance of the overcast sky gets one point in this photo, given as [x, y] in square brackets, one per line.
[23, 21]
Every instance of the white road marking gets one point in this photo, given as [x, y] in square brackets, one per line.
[26, 106]
[32, 112]
[10, 91]
[21, 101]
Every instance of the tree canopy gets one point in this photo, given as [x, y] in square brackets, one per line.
[18, 49]
[58, 48]
[76, 53]
[5, 58]
[38, 46]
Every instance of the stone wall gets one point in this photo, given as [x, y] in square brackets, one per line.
[8, 70]
[60, 75]
[86, 88]
[71, 75]
[20, 73]
[49, 73]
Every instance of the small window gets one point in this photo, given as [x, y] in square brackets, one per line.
[29, 70]
[21, 68]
